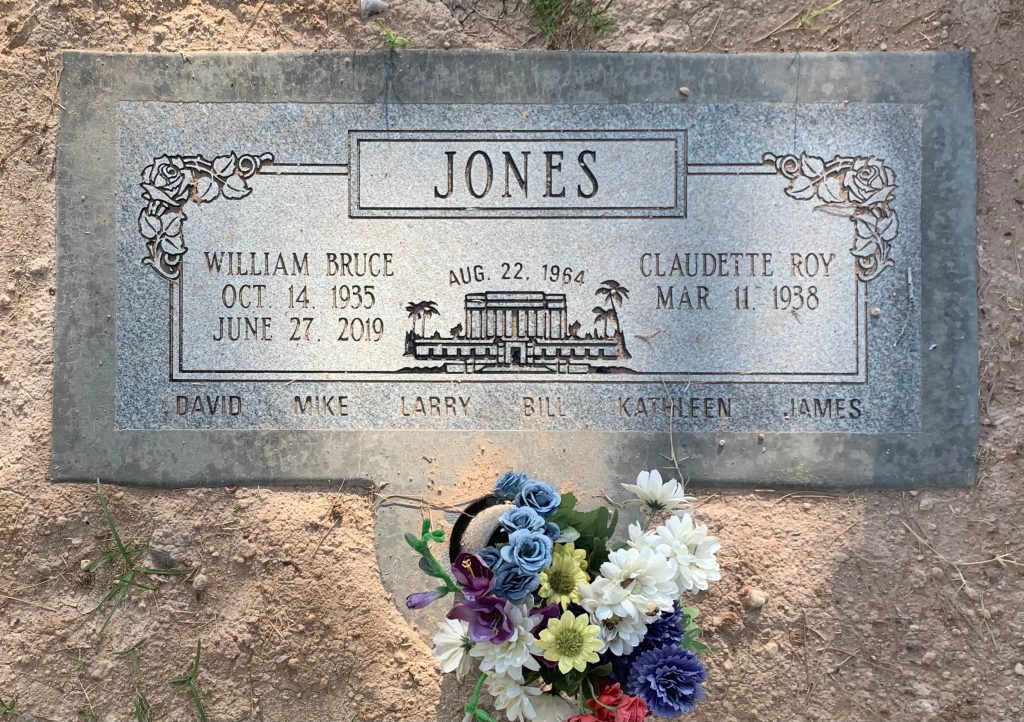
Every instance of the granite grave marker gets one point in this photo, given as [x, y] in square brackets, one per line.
[305, 266]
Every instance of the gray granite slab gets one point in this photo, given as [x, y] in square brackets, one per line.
[318, 267]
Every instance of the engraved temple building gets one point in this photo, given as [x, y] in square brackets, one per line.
[516, 331]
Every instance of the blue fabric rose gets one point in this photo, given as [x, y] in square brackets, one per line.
[491, 557]
[539, 496]
[509, 484]
[513, 583]
[552, 531]
[528, 550]
[521, 517]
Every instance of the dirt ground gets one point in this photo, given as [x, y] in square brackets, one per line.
[878, 605]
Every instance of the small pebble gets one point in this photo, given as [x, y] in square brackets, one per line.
[754, 599]
[883, 47]
[876, 312]
[200, 582]
[373, 7]
[1019, 669]
[684, 91]
[293, 663]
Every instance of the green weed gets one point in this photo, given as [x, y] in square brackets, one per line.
[128, 558]
[392, 40]
[143, 711]
[9, 707]
[189, 681]
[812, 13]
[571, 22]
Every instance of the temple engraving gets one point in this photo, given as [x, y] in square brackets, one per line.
[522, 331]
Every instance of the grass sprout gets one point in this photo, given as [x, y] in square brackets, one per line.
[572, 22]
[392, 40]
[189, 681]
[127, 557]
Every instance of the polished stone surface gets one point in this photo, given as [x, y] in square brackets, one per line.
[778, 268]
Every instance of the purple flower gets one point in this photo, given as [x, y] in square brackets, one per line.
[521, 517]
[419, 600]
[539, 496]
[487, 617]
[528, 550]
[669, 680]
[552, 611]
[473, 574]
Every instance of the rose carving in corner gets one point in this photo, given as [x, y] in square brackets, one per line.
[860, 189]
[170, 182]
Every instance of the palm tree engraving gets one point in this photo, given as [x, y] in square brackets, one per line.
[415, 313]
[421, 311]
[602, 314]
[613, 293]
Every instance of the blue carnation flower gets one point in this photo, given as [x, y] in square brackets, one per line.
[665, 631]
[539, 496]
[509, 484]
[513, 583]
[669, 680]
[528, 550]
[521, 517]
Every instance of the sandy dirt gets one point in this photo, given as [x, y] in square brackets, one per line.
[876, 605]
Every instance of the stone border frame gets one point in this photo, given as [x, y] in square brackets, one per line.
[86, 445]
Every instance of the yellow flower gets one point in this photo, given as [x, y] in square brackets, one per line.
[571, 641]
[578, 555]
[560, 582]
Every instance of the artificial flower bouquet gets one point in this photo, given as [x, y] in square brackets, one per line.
[562, 623]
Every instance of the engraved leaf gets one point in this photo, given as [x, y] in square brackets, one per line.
[844, 210]
[829, 190]
[880, 196]
[225, 165]
[801, 188]
[173, 245]
[811, 165]
[865, 249]
[206, 189]
[152, 193]
[235, 188]
[888, 227]
[172, 223]
[149, 226]
[866, 226]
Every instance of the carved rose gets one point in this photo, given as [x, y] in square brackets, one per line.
[170, 182]
[860, 189]
[167, 180]
[869, 182]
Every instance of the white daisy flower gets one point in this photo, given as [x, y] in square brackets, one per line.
[621, 614]
[450, 646]
[509, 658]
[513, 698]
[647, 574]
[659, 495]
[690, 549]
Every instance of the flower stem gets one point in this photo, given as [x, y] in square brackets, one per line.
[471, 706]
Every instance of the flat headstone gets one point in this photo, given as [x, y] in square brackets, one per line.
[311, 267]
